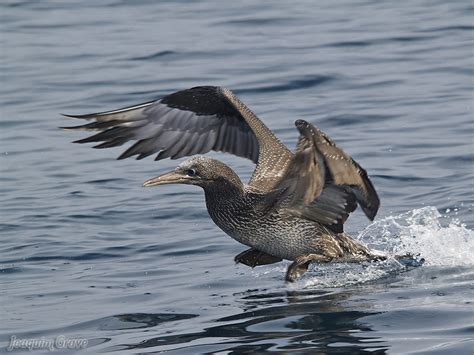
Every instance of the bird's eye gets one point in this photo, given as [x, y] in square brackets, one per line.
[191, 172]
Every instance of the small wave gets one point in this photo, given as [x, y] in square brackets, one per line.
[449, 28]
[274, 21]
[377, 41]
[295, 84]
[155, 55]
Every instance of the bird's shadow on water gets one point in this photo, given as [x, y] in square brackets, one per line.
[285, 320]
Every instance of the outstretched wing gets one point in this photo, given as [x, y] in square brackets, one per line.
[322, 183]
[184, 123]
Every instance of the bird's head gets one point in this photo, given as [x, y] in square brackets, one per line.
[201, 171]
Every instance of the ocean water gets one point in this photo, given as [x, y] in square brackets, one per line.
[87, 253]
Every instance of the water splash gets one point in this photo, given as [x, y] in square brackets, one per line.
[418, 232]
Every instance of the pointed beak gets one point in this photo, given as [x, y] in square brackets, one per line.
[171, 177]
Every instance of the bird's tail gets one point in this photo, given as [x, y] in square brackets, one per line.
[356, 252]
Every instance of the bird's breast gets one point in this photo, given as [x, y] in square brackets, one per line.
[269, 232]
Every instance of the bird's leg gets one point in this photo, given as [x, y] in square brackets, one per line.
[300, 265]
[253, 257]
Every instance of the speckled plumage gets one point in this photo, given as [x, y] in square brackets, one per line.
[237, 209]
[294, 205]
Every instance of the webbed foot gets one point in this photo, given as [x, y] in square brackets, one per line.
[253, 257]
[300, 265]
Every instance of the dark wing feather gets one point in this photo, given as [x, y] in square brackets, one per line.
[304, 176]
[343, 170]
[184, 123]
[306, 190]
[331, 208]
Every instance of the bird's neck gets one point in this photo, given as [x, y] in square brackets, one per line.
[225, 200]
[224, 191]
[228, 206]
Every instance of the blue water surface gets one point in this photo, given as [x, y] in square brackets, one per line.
[86, 252]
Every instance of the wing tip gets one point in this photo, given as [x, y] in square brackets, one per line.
[74, 128]
[127, 154]
[301, 123]
[371, 203]
[303, 126]
[370, 206]
[371, 211]
[84, 117]
[81, 141]
[70, 128]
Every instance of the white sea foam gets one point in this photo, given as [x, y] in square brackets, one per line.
[419, 232]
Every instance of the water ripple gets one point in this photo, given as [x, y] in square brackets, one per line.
[293, 84]
[87, 253]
